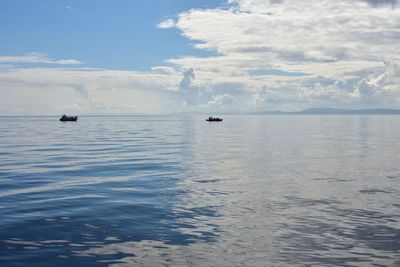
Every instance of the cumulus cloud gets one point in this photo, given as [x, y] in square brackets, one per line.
[383, 88]
[187, 89]
[390, 78]
[366, 90]
[337, 46]
[258, 98]
[188, 77]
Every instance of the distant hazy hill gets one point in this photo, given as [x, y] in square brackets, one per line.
[331, 111]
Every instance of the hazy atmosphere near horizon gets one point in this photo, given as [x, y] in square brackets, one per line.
[200, 133]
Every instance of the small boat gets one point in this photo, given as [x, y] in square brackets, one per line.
[214, 119]
[68, 118]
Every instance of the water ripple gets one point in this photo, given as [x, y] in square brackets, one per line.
[176, 191]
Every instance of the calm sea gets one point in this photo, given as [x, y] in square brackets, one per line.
[178, 191]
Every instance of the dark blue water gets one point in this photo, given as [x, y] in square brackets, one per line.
[178, 191]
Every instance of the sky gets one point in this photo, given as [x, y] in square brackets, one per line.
[172, 56]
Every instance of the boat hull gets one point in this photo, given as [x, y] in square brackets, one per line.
[66, 118]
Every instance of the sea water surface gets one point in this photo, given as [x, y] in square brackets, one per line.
[179, 191]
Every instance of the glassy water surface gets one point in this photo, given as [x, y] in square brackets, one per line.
[178, 191]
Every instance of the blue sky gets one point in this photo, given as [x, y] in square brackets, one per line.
[163, 56]
[108, 34]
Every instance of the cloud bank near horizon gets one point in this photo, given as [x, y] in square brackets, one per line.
[277, 54]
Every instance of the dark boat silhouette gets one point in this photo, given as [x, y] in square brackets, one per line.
[68, 118]
[214, 119]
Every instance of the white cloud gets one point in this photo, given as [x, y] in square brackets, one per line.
[393, 3]
[37, 58]
[66, 62]
[337, 46]
[383, 88]
[187, 88]
[48, 90]
[6, 66]
[221, 100]
[163, 70]
[166, 24]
